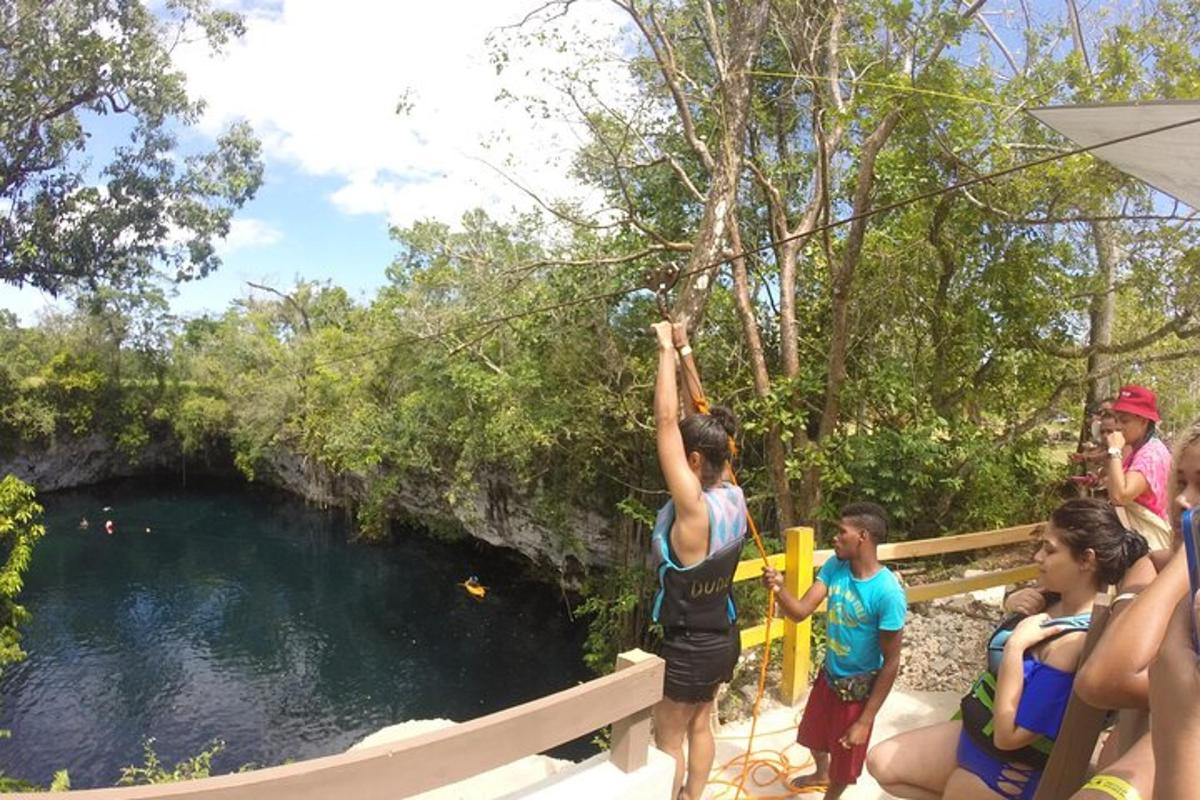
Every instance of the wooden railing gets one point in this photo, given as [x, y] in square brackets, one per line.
[799, 559]
[432, 760]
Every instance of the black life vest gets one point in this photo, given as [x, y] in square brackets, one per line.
[975, 708]
[700, 597]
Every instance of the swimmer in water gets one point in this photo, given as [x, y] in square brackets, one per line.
[109, 527]
[83, 524]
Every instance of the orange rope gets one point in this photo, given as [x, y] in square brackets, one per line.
[779, 766]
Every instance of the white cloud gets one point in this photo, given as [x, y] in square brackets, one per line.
[247, 232]
[320, 82]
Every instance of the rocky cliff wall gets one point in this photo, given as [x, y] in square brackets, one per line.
[493, 509]
[79, 462]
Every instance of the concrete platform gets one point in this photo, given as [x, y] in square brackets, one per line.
[776, 738]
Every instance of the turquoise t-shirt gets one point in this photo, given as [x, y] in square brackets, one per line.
[858, 611]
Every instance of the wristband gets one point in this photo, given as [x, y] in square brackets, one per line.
[686, 350]
[1114, 452]
[1114, 787]
[1123, 596]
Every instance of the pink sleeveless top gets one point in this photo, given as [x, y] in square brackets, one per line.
[1153, 460]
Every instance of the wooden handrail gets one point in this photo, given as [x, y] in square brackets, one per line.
[956, 544]
[752, 637]
[917, 548]
[435, 759]
[801, 559]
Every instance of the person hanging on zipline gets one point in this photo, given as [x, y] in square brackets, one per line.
[864, 626]
[697, 539]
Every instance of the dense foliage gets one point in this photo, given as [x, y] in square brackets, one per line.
[20, 529]
[926, 357]
[144, 208]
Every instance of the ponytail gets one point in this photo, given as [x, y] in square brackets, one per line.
[1090, 524]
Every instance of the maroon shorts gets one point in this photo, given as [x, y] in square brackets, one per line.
[826, 718]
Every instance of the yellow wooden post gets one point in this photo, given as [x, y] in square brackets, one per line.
[797, 637]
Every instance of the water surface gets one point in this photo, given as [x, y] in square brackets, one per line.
[245, 615]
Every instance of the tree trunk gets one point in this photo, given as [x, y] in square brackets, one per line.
[747, 24]
[1103, 314]
[776, 452]
[843, 276]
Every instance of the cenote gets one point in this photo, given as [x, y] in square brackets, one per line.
[245, 615]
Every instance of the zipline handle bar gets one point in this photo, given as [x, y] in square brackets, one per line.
[661, 281]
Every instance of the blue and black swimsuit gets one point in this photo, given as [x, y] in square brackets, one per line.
[1015, 773]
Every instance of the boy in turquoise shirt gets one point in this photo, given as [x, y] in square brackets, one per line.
[864, 625]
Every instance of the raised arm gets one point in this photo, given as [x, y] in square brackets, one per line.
[689, 535]
[1123, 486]
[693, 389]
[1116, 673]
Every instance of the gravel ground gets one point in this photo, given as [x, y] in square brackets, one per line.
[944, 643]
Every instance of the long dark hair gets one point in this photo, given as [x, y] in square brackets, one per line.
[709, 435]
[1087, 523]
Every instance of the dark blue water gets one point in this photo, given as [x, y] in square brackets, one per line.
[246, 616]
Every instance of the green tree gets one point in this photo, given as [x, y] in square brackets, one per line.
[62, 66]
[20, 530]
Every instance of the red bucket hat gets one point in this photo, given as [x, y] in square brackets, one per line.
[1137, 400]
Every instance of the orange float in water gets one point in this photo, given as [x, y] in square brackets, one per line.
[474, 588]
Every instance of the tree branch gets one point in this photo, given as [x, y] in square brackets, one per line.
[290, 300]
[1177, 326]
[664, 54]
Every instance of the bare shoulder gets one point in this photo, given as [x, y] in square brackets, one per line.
[1063, 652]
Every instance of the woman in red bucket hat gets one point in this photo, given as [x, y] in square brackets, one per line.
[1137, 481]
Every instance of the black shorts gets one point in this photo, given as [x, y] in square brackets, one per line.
[698, 662]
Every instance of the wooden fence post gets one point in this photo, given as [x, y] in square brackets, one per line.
[797, 637]
[631, 735]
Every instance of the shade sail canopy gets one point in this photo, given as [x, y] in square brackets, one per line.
[1167, 160]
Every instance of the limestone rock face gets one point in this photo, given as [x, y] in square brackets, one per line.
[91, 459]
[493, 508]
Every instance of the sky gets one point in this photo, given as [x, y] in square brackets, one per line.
[320, 83]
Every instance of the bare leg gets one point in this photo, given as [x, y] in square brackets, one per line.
[965, 786]
[917, 764]
[670, 727]
[701, 749]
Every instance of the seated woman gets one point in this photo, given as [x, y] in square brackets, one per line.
[1137, 480]
[1012, 714]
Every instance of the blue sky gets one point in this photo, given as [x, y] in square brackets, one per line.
[320, 84]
